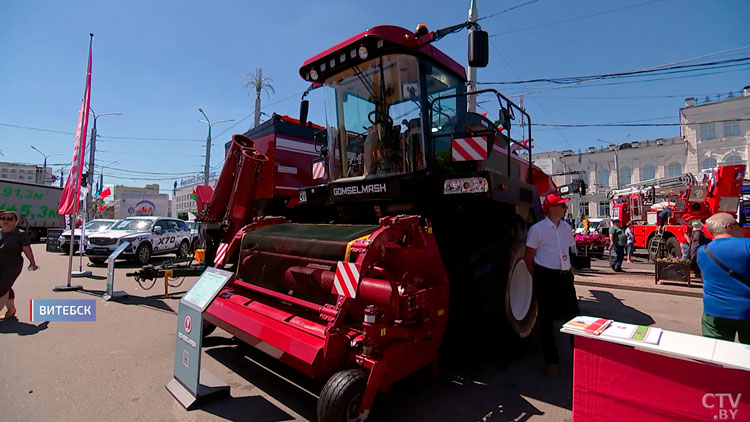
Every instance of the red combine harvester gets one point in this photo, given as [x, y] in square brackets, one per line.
[419, 218]
[714, 191]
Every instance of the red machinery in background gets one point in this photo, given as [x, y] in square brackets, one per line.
[715, 190]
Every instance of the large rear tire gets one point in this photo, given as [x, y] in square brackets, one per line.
[341, 396]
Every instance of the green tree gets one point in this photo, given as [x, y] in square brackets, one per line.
[258, 82]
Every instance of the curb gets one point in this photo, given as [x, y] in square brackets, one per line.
[639, 289]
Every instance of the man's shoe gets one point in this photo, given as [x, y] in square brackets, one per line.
[619, 270]
[551, 370]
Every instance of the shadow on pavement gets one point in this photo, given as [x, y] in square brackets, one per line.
[253, 408]
[606, 305]
[156, 302]
[14, 326]
[272, 377]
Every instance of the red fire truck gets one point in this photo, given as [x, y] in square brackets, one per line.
[714, 190]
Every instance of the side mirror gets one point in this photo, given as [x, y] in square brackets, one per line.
[304, 107]
[479, 48]
[157, 228]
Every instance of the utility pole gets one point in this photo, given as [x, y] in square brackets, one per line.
[472, 71]
[44, 166]
[208, 144]
[92, 153]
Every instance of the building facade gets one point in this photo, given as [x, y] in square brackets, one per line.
[27, 173]
[712, 134]
[183, 201]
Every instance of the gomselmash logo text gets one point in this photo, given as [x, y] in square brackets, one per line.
[63, 310]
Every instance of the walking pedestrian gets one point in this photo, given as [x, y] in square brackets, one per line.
[697, 239]
[617, 242]
[683, 236]
[725, 264]
[12, 243]
[630, 236]
[547, 257]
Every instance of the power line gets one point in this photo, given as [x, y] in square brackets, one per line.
[660, 70]
[575, 18]
[508, 10]
[653, 67]
[628, 97]
[636, 124]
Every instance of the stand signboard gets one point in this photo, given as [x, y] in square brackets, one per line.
[190, 383]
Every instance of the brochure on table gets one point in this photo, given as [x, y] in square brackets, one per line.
[670, 343]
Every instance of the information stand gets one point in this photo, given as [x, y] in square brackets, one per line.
[191, 384]
[684, 377]
[110, 293]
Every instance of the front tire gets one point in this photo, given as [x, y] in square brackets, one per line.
[184, 250]
[341, 396]
[143, 254]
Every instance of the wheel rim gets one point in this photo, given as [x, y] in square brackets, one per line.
[352, 409]
[521, 289]
[184, 249]
[144, 255]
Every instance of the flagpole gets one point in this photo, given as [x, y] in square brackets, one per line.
[76, 180]
[81, 241]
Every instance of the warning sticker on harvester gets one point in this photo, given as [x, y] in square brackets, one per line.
[346, 281]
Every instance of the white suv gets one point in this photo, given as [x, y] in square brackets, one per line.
[148, 236]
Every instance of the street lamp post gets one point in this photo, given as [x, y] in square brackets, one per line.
[617, 162]
[208, 144]
[44, 166]
[92, 153]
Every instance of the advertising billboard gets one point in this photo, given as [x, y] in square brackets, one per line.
[132, 204]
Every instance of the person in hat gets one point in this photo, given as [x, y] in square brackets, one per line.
[12, 243]
[547, 257]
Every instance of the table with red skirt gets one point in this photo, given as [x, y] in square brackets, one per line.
[682, 378]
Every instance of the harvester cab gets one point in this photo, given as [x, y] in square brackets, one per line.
[420, 212]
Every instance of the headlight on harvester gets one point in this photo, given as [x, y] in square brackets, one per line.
[466, 185]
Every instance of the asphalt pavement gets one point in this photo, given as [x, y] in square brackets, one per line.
[115, 369]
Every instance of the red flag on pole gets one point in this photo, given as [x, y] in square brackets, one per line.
[69, 203]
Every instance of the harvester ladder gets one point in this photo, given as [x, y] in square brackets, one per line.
[658, 247]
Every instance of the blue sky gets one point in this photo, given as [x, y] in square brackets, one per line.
[158, 62]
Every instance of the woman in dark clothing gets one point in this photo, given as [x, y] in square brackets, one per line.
[12, 243]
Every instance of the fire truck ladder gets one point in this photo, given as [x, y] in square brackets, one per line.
[658, 247]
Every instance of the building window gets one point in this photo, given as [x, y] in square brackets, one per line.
[674, 169]
[603, 208]
[648, 172]
[626, 175]
[733, 159]
[707, 131]
[732, 128]
[708, 163]
[602, 178]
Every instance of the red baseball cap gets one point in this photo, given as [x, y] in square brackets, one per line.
[553, 199]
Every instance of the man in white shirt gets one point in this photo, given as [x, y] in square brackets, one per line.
[547, 257]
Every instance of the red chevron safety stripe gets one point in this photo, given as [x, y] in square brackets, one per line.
[318, 170]
[220, 254]
[469, 149]
[346, 281]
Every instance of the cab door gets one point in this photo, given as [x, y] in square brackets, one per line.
[161, 236]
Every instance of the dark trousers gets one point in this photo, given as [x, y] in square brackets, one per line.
[617, 257]
[725, 328]
[557, 298]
